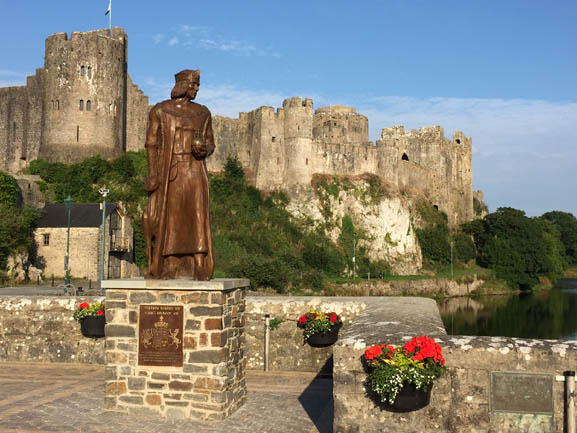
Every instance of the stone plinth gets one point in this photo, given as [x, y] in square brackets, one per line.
[205, 375]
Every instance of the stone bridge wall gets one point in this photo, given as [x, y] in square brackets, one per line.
[42, 329]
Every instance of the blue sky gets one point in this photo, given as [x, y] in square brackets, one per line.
[503, 72]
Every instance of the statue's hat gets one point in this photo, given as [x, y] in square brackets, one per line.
[187, 75]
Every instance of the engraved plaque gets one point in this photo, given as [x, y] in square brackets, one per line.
[521, 392]
[160, 335]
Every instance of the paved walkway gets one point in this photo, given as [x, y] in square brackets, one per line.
[67, 398]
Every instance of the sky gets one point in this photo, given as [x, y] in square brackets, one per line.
[502, 72]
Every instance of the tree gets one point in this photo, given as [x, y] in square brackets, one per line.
[519, 249]
[9, 191]
[567, 225]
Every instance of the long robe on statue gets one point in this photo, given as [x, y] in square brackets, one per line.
[176, 220]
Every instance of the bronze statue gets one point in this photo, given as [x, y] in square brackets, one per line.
[176, 221]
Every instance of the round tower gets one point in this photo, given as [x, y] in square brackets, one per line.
[340, 125]
[85, 93]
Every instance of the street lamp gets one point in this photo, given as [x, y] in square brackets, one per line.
[68, 202]
[103, 192]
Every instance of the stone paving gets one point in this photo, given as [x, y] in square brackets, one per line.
[66, 398]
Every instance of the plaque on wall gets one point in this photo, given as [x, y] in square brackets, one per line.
[160, 335]
[521, 392]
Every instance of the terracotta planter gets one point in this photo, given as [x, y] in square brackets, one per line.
[93, 326]
[408, 399]
[325, 340]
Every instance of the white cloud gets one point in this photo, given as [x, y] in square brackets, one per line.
[173, 41]
[158, 38]
[204, 38]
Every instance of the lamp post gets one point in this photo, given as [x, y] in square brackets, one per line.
[104, 192]
[68, 202]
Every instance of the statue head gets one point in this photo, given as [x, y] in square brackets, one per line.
[187, 83]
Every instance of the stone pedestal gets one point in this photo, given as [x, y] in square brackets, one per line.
[175, 348]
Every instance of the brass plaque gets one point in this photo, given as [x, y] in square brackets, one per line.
[160, 335]
[521, 392]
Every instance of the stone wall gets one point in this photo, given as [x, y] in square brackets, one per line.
[461, 399]
[42, 329]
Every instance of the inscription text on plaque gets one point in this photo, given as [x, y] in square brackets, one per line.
[521, 392]
[160, 335]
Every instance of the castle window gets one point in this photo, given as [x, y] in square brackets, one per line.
[81, 105]
[46, 239]
[307, 163]
[82, 71]
[77, 133]
[273, 139]
[436, 207]
[53, 105]
[458, 141]
[89, 72]
[57, 104]
[405, 157]
[88, 105]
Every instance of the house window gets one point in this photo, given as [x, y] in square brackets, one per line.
[81, 106]
[88, 105]
[82, 71]
[89, 72]
[46, 239]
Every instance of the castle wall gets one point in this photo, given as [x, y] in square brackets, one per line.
[137, 109]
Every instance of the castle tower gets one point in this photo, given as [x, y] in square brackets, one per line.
[340, 125]
[85, 93]
[298, 138]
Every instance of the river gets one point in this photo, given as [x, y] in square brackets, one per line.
[544, 314]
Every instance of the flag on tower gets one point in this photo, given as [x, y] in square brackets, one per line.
[109, 7]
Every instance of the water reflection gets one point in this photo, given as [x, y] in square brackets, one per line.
[547, 314]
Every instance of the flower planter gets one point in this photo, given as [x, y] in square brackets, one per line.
[93, 326]
[408, 399]
[325, 340]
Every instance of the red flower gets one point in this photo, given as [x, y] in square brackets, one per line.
[100, 313]
[333, 318]
[84, 305]
[372, 352]
[303, 319]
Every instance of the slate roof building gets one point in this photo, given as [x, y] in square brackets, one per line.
[85, 241]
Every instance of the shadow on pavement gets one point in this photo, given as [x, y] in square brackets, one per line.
[317, 399]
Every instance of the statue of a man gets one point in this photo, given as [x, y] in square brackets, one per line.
[176, 222]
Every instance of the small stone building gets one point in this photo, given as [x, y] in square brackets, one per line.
[85, 241]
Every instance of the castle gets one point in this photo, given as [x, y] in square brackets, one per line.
[83, 103]
[283, 149]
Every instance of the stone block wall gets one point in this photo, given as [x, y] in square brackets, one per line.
[287, 349]
[42, 329]
[461, 399]
[210, 384]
